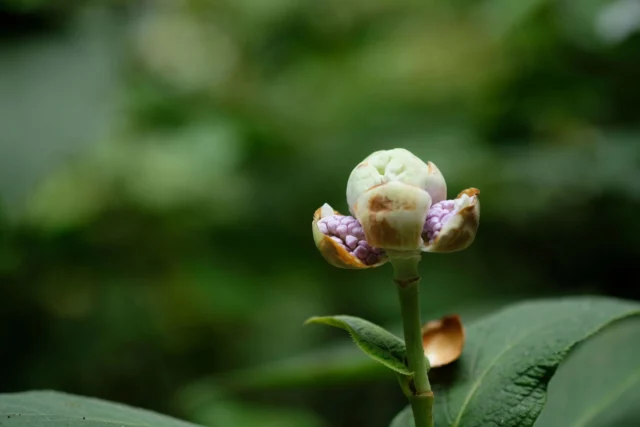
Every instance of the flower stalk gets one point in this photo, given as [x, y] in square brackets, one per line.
[407, 279]
[399, 209]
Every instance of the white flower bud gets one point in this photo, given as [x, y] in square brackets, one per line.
[390, 193]
[398, 204]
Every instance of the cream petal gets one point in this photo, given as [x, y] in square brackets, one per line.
[392, 215]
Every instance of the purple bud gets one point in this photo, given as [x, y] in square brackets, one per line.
[352, 242]
[360, 252]
[371, 258]
[435, 212]
[341, 231]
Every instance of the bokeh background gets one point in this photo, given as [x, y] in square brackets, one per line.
[160, 162]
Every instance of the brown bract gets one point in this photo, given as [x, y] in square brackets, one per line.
[443, 340]
[392, 215]
[335, 254]
[461, 230]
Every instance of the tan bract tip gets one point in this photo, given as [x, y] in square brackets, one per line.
[443, 340]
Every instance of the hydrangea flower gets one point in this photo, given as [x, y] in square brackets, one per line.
[397, 204]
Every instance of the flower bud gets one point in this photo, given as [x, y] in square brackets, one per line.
[398, 204]
[390, 193]
[341, 241]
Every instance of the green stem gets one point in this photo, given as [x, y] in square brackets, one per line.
[421, 406]
[407, 280]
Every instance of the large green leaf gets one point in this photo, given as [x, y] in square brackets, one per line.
[509, 358]
[53, 409]
[380, 344]
[404, 418]
[599, 384]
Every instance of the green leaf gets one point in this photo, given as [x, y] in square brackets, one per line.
[599, 383]
[403, 419]
[380, 344]
[509, 358]
[229, 413]
[53, 409]
[340, 363]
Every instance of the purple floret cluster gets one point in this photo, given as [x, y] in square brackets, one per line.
[437, 217]
[347, 231]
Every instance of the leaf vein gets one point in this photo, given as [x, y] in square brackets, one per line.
[492, 364]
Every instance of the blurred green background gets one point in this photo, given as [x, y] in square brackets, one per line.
[160, 162]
